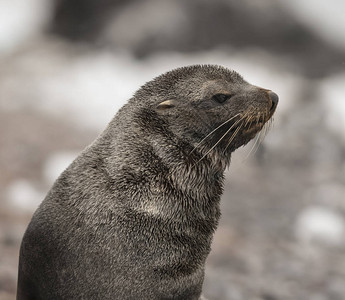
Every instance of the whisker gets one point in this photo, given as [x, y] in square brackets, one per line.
[250, 118]
[258, 144]
[220, 139]
[259, 138]
[252, 148]
[227, 121]
[246, 116]
[247, 122]
[233, 136]
[266, 128]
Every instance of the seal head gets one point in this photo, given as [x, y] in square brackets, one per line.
[209, 107]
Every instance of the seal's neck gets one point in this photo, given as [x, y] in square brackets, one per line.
[150, 159]
[195, 186]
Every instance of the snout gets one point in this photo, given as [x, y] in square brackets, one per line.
[274, 100]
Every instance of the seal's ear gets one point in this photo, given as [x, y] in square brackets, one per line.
[166, 104]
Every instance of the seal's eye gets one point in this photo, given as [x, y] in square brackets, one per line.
[220, 98]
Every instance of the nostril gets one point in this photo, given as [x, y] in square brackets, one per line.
[274, 98]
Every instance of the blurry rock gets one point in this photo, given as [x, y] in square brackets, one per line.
[328, 194]
[23, 196]
[83, 19]
[56, 164]
[267, 296]
[318, 224]
[156, 22]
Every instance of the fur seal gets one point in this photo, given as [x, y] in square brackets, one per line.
[133, 216]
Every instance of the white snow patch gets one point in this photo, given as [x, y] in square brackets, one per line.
[22, 195]
[321, 225]
[56, 164]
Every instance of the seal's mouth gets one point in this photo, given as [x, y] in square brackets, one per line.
[255, 123]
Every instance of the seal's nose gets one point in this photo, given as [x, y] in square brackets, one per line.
[274, 98]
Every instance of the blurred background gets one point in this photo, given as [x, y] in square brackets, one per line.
[66, 66]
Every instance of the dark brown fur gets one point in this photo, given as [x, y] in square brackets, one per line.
[133, 216]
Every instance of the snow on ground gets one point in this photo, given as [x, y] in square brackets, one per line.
[23, 197]
[322, 225]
